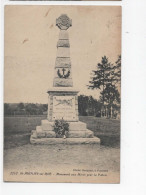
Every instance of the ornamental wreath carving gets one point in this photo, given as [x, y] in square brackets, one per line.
[63, 75]
[63, 22]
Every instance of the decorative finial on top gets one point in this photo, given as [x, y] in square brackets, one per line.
[63, 22]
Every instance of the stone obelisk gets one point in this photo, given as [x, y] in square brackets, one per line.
[63, 102]
[63, 76]
[62, 98]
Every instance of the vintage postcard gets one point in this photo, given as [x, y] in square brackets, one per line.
[62, 78]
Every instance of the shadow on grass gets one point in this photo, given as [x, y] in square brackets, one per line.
[110, 141]
[16, 140]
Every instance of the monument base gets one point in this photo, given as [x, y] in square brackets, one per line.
[78, 134]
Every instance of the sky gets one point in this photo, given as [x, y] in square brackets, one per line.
[30, 40]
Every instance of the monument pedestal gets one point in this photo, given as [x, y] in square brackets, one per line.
[63, 104]
[78, 134]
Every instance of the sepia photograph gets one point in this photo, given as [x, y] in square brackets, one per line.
[62, 93]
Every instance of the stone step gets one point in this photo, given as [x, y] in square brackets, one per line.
[38, 129]
[50, 134]
[46, 125]
[80, 134]
[34, 134]
[49, 141]
[73, 126]
[39, 133]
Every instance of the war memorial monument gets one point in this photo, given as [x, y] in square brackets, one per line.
[63, 98]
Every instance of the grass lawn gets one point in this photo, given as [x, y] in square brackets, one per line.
[17, 130]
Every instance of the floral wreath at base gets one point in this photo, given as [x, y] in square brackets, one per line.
[61, 128]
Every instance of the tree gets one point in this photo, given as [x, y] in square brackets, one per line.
[101, 77]
[31, 109]
[45, 107]
[21, 106]
[83, 104]
[7, 109]
[94, 106]
[117, 72]
[88, 106]
[107, 78]
[111, 94]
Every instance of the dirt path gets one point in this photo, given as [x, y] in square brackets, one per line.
[46, 156]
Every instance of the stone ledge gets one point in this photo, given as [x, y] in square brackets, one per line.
[63, 43]
[39, 132]
[61, 82]
[34, 135]
[63, 89]
[80, 134]
[77, 126]
[73, 126]
[46, 125]
[63, 52]
[38, 129]
[71, 134]
[63, 34]
[50, 134]
[49, 141]
[63, 62]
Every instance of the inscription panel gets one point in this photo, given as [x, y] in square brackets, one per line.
[64, 108]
